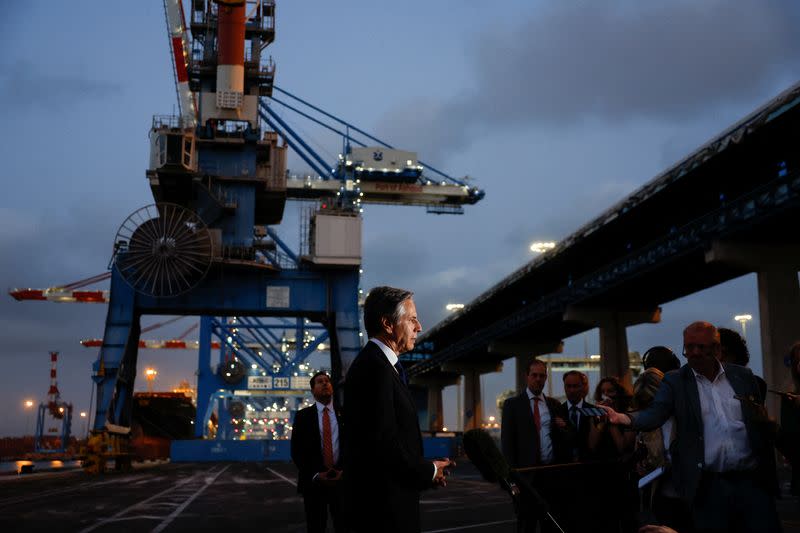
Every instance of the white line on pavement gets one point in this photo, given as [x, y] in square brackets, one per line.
[209, 480]
[180, 483]
[286, 479]
[471, 526]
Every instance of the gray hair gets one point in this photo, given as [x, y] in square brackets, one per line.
[384, 302]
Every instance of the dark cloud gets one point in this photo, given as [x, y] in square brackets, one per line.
[24, 88]
[657, 59]
[557, 222]
[574, 61]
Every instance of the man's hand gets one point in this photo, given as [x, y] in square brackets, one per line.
[615, 417]
[328, 478]
[559, 422]
[440, 479]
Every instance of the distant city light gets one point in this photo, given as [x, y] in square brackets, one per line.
[541, 247]
[28, 403]
[743, 320]
[454, 307]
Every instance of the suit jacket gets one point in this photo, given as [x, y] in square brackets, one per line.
[581, 435]
[517, 432]
[678, 396]
[307, 445]
[385, 469]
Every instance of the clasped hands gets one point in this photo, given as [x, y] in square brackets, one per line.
[328, 477]
[440, 479]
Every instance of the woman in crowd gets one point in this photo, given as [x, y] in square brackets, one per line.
[734, 350]
[608, 441]
[660, 502]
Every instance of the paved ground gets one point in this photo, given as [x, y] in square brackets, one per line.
[231, 497]
[224, 496]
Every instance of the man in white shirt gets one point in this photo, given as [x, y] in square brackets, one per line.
[723, 458]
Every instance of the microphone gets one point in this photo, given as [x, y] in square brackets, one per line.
[493, 467]
[782, 394]
[483, 452]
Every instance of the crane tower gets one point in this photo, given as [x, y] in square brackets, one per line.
[208, 246]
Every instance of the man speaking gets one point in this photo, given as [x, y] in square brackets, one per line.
[384, 469]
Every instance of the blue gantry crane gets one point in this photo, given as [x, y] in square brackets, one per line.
[208, 245]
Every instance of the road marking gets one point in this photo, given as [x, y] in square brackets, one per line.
[471, 506]
[286, 479]
[471, 526]
[248, 481]
[116, 517]
[184, 505]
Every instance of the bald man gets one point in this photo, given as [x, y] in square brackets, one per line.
[723, 460]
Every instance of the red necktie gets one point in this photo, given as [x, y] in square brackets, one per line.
[327, 440]
[537, 422]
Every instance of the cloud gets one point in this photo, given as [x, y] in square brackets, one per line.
[24, 88]
[585, 204]
[575, 61]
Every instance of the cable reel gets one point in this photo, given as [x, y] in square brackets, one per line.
[163, 250]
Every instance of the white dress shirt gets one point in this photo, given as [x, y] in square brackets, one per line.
[727, 447]
[388, 352]
[393, 359]
[545, 444]
[334, 428]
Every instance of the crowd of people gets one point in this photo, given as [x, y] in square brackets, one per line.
[687, 448]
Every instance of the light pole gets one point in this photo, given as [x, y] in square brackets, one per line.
[541, 247]
[743, 320]
[150, 374]
[28, 404]
[86, 424]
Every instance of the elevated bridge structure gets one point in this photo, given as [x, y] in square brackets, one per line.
[728, 209]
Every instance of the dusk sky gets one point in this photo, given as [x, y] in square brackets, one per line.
[556, 109]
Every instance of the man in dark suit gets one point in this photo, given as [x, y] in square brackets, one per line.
[723, 459]
[576, 388]
[534, 432]
[318, 456]
[385, 469]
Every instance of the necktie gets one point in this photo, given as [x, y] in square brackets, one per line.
[573, 416]
[327, 440]
[402, 373]
[537, 422]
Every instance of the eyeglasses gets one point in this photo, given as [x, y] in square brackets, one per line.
[689, 348]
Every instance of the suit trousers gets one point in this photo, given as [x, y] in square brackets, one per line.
[317, 501]
[734, 502]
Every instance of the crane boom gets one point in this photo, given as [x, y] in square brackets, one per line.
[179, 42]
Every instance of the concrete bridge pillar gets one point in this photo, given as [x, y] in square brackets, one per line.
[776, 267]
[473, 406]
[524, 353]
[434, 384]
[614, 354]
